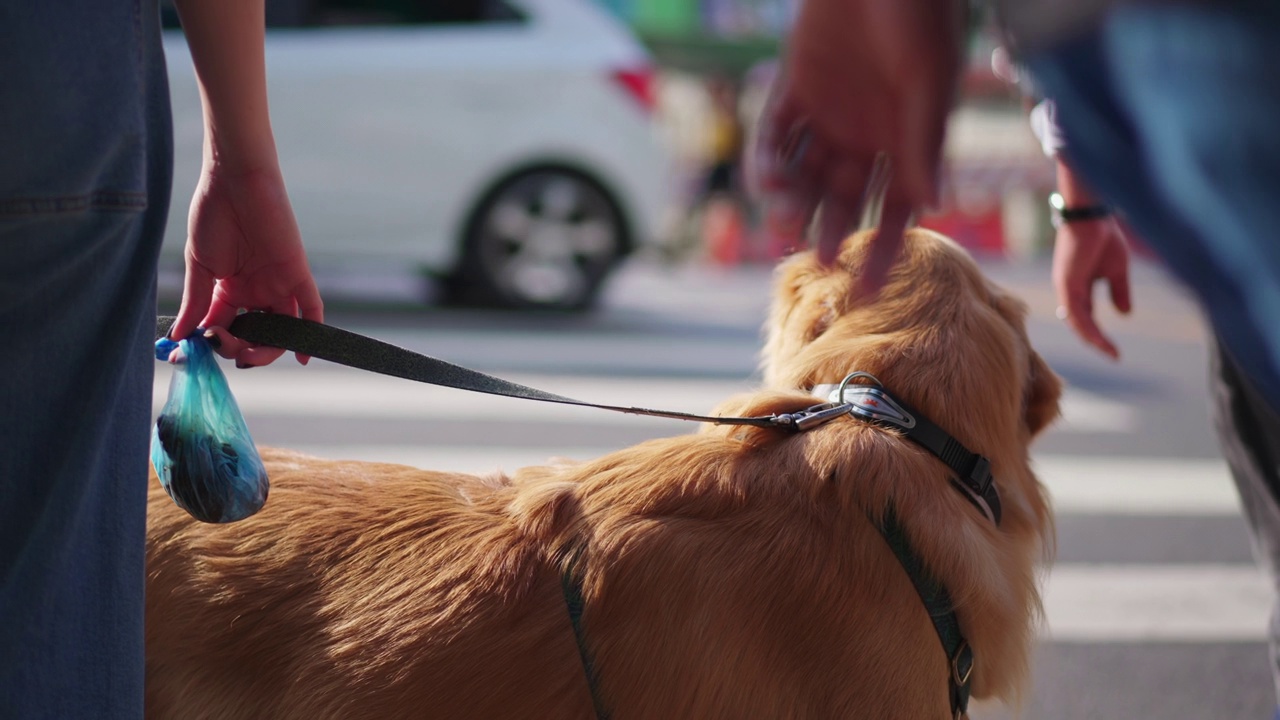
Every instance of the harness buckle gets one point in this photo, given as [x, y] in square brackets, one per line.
[980, 474]
[963, 657]
[961, 670]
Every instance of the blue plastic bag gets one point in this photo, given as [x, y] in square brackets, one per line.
[200, 446]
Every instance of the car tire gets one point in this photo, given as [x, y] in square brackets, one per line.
[541, 239]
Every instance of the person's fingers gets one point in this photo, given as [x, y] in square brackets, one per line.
[224, 343]
[1080, 318]
[1118, 281]
[197, 289]
[1076, 265]
[844, 186]
[886, 246]
[780, 112]
[1086, 327]
[801, 165]
[776, 133]
[259, 355]
[221, 311]
[1120, 294]
[839, 217]
[790, 214]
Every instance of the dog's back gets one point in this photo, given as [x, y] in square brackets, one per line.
[735, 586]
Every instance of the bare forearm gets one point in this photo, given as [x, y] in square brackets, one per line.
[226, 42]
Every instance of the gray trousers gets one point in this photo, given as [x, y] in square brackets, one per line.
[1249, 432]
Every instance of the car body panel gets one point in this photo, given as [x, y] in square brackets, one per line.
[390, 136]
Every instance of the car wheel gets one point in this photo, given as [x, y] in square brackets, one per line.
[543, 239]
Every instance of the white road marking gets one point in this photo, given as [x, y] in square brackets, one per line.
[1150, 603]
[1138, 486]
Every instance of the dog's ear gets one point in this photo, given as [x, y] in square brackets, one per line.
[803, 307]
[1044, 390]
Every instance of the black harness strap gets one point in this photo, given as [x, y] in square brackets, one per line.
[934, 595]
[937, 602]
[571, 587]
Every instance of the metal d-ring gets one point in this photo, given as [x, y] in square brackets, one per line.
[854, 376]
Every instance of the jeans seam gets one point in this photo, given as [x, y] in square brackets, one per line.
[106, 200]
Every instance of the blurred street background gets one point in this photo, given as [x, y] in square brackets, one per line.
[469, 176]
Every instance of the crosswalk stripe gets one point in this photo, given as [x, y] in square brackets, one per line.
[1138, 486]
[1147, 603]
[358, 395]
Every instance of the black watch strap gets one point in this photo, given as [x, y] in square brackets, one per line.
[1088, 212]
[1065, 214]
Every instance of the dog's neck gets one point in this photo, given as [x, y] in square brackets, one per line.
[874, 404]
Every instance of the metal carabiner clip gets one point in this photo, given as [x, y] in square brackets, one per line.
[814, 416]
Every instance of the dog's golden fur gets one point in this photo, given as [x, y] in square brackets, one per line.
[730, 573]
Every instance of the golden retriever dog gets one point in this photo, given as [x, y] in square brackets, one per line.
[734, 572]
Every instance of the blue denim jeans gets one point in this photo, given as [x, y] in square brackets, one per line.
[85, 171]
[1172, 112]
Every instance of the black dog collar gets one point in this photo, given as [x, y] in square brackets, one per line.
[874, 404]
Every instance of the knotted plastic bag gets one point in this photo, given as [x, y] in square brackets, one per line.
[200, 446]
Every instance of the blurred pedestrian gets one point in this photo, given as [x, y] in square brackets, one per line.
[722, 176]
[1168, 109]
[86, 142]
[1090, 247]
[719, 207]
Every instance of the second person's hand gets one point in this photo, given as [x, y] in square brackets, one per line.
[1085, 253]
[862, 96]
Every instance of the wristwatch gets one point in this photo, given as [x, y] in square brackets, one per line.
[1059, 213]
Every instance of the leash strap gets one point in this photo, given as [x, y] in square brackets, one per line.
[365, 353]
[937, 602]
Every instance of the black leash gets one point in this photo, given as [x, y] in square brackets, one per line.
[365, 353]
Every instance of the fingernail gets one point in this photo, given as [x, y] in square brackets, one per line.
[244, 366]
[212, 337]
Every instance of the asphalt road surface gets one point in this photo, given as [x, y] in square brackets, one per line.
[1155, 608]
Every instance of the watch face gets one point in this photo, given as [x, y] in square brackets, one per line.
[1055, 210]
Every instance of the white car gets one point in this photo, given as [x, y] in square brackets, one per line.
[514, 155]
